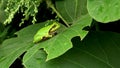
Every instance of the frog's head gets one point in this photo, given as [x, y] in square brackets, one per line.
[54, 27]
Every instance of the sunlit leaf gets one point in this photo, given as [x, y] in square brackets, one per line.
[104, 10]
[60, 43]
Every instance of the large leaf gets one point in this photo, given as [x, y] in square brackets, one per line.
[60, 43]
[71, 10]
[104, 10]
[97, 50]
[14, 47]
[105, 47]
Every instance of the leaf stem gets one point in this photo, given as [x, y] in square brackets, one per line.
[96, 24]
[50, 4]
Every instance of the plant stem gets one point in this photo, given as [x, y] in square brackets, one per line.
[97, 26]
[50, 4]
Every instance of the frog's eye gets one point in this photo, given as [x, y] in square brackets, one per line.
[54, 26]
[52, 29]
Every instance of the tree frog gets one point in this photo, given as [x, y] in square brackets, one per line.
[46, 32]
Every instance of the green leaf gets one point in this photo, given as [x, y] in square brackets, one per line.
[97, 50]
[67, 35]
[12, 48]
[70, 10]
[104, 46]
[35, 60]
[60, 43]
[104, 10]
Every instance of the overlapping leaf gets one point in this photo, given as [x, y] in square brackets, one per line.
[104, 10]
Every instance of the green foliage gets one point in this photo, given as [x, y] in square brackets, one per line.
[104, 10]
[75, 45]
[27, 7]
